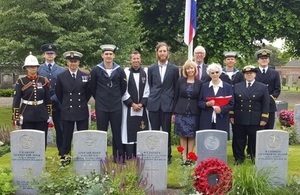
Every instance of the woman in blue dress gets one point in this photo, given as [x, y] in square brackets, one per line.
[186, 111]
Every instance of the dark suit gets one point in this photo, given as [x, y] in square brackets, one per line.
[74, 95]
[272, 80]
[161, 97]
[52, 76]
[222, 119]
[251, 106]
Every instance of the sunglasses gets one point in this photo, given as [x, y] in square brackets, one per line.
[217, 72]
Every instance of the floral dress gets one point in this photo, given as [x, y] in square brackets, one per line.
[185, 124]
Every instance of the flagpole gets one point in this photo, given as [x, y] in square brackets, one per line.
[190, 50]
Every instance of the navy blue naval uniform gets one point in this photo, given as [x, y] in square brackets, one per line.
[251, 107]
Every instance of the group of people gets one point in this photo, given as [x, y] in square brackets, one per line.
[134, 99]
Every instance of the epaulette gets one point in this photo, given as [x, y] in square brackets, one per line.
[20, 79]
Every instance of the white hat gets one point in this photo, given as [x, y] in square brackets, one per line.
[230, 54]
[72, 55]
[108, 47]
[30, 61]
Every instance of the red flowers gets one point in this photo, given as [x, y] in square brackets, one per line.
[292, 122]
[180, 149]
[192, 156]
[208, 167]
[50, 125]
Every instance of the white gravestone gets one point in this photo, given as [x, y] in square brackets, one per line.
[272, 154]
[152, 148]
[211, 143]
[90, 147]
[297, 117]
[27, 158]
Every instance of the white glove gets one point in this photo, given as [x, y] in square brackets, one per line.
[50, 120]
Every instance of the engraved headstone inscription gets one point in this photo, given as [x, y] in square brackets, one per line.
[152, 148]
[27, 158]
[272, 155]
[211, 143]
[90, 148]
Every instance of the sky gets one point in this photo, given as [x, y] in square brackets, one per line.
[279, 43]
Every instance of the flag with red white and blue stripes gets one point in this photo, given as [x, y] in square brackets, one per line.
[190, 22]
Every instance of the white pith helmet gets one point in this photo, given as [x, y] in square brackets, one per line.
[30, 61]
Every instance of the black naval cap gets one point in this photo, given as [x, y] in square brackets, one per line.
[48, 48]
[263, 53]
[108, 47]
[249, 68]
[228, 54]
[73, 55]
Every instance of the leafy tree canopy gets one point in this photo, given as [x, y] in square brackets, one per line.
[222, 25]
[81, 25]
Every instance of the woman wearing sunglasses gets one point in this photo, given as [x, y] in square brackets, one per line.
[215, 101]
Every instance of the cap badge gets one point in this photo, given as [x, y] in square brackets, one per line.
[264, 53]
[50, 47]
[72, 54]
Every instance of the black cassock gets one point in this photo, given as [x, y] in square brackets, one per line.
[133, 122]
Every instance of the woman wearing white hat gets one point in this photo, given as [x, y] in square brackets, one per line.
[33, 92]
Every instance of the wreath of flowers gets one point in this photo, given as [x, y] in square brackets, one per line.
[208, 167]
[286, 117]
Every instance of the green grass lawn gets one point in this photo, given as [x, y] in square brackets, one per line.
[175, 169]
[5, 116]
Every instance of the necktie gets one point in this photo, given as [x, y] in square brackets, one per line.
[264, 71]
[73, 75]
[50, 67]
[199, 72]
[249, 85]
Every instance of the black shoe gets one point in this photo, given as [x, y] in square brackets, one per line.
[186, 163]
[169, 161]
[65, 160]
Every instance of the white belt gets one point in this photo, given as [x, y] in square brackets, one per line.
[33, 103]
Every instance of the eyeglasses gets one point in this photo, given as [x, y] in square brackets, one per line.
[217, 72]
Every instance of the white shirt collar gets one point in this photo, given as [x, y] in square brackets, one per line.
[162, 64]
[261, 69]
[73, 72]
[219, 85]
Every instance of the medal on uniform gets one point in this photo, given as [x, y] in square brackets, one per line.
[143, 79]
[39, 85]
[84, 79]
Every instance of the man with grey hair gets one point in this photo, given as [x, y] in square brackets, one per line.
[199, 55]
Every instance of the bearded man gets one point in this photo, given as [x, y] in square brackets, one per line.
[162, 77]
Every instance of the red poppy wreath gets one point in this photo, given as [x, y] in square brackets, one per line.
[212, 176]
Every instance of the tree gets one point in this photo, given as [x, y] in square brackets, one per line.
[81, 25]
[222, 24]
